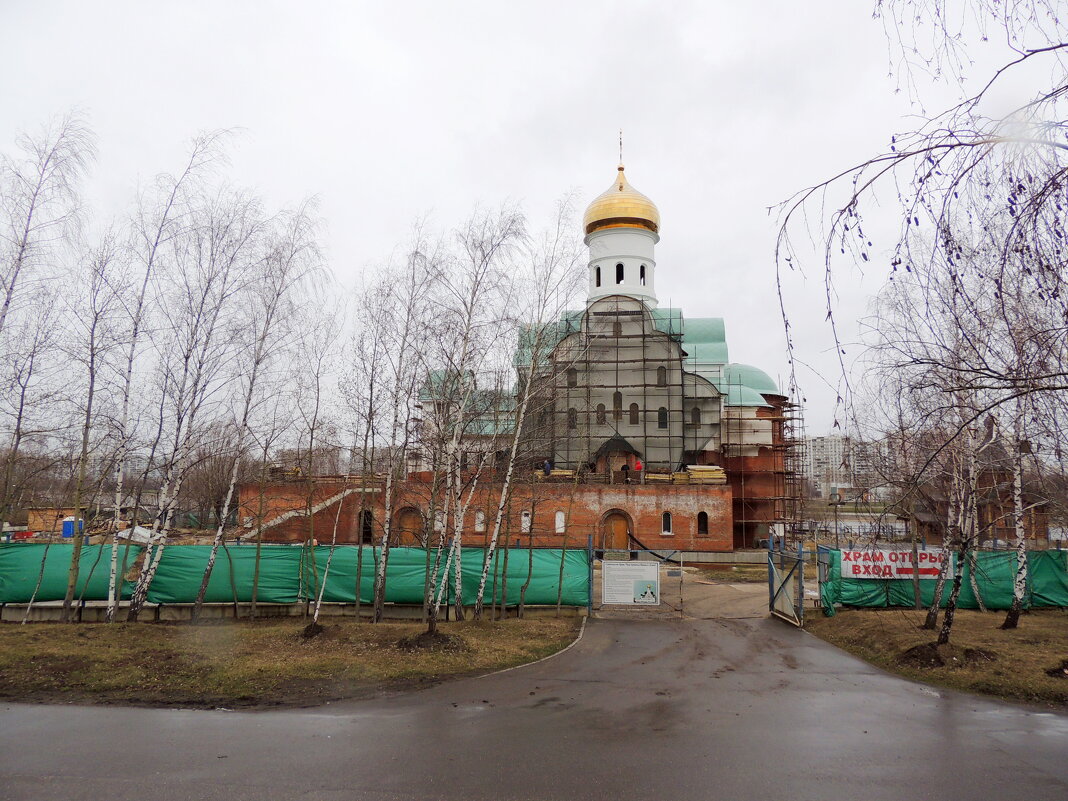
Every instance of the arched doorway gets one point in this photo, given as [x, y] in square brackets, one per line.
[615, 531]
[409, 527]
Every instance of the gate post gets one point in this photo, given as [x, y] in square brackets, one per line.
[589, 575]
[800, 583]
[771, 572]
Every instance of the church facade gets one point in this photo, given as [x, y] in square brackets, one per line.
[642, 434]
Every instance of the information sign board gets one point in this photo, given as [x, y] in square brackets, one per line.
[630, 583]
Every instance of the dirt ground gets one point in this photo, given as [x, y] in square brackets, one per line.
[1024, 664]
[261, 664]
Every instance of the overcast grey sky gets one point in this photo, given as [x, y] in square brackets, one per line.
[391, 111]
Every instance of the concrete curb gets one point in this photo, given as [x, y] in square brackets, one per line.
[582, 630]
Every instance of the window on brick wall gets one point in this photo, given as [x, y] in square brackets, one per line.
[480, 520]
[661, 417]
[666, 521]
[634, 414]
[560, 525]
[601, 418]
[702, 524]
[525, 522]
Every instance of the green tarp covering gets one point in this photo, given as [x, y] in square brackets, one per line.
[407, 569]
[288, 574]
[1047, 584]
[20, 568]
[181, 570]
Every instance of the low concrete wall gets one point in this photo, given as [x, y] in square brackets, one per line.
[703, 557]
[94, 611]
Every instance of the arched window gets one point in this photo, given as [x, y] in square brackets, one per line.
[617, 329]
[480, 520]
[702, 524]
[661, 418]
[367, 536]
[572, 418]
[559, 522]
[641, 275]
[619, 273]
[695, 415]
[596, 276]
[601, 419]
[572, 377]
[524, 522]
[666, 517]
[617, 406]
[634, 414]
[661, 376]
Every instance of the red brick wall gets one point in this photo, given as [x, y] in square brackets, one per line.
[585, 507]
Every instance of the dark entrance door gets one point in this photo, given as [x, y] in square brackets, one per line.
[615, 532]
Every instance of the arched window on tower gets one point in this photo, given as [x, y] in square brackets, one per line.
[641, 275]
[695, 415]
[666, 520]
[572, 418]
[702, 524]
[560, 522]
[661, 417]
[601, 417]
[634, 414]
[619, 273]
[661, 376]
[617, 406]
[617, 329]
[572, 377]
[597, 276]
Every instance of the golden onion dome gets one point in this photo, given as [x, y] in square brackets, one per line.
[621, 206]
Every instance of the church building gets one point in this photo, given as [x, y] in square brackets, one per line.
[644, 433]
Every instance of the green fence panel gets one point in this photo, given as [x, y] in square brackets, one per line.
[181, 571]
[995, 573]
[20, 567]
[543, 564]
[1048, 578]
[405, 573]
[288, 574]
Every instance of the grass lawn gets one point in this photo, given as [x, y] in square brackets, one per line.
[243, 664]
[981, 658]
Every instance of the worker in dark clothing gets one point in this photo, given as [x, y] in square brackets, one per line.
[626, 473]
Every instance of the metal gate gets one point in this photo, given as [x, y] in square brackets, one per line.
[786, 583]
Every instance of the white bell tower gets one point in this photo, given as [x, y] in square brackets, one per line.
[622, 228]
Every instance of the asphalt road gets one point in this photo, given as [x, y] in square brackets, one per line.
[661, 709]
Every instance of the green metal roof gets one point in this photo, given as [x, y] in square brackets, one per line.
[752, 377]
[668, 321]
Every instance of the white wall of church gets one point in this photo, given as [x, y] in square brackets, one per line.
[631, 247]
